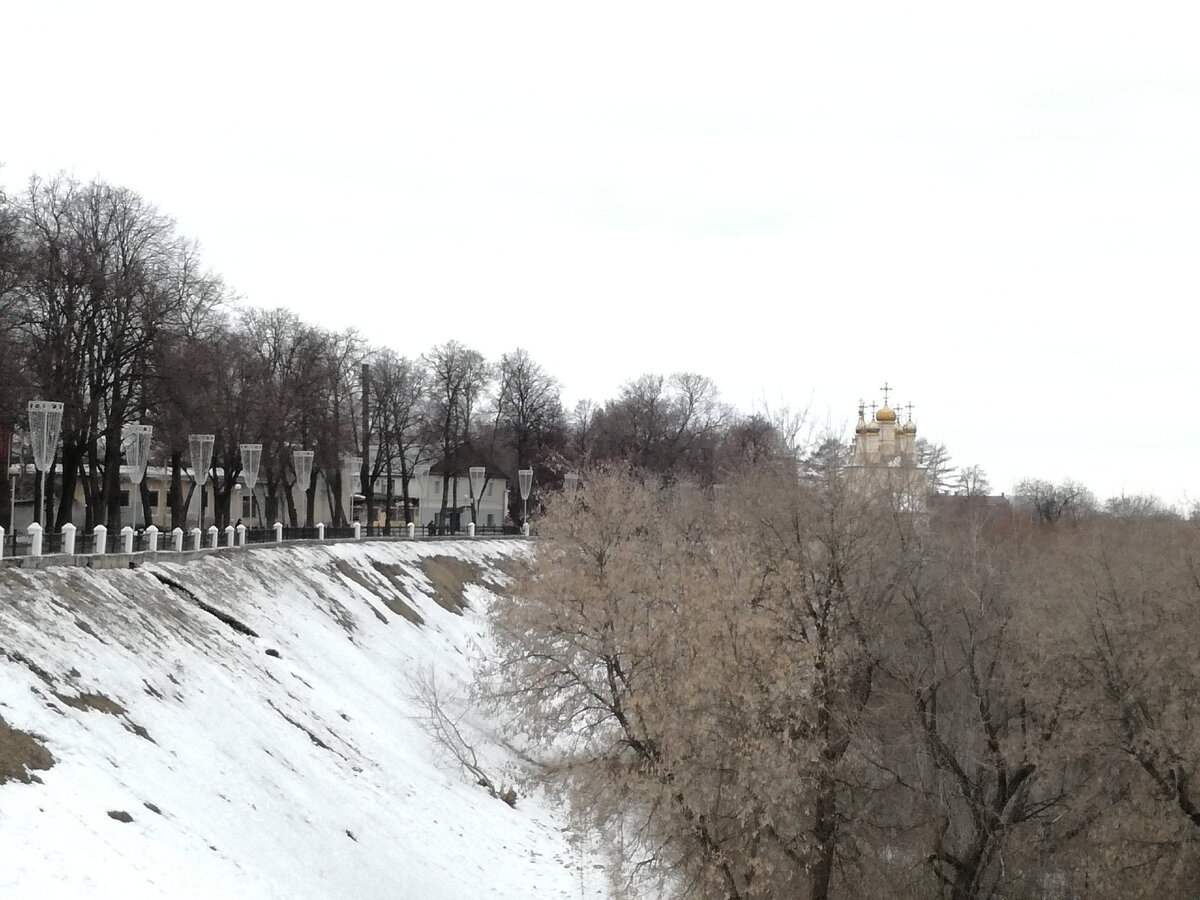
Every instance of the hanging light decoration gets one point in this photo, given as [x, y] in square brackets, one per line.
[136, 441]
[251, 459]
[200, 449]
[525, 482]
[302, 462]
[45, 425]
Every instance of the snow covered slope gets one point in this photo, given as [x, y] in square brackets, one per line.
[240, 726]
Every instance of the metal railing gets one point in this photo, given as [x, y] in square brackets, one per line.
[53, 543]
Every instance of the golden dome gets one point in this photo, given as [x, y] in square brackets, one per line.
[885, 415]
[909, 428]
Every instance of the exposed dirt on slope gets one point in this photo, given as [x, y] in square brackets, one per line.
[396, 602]
[399, 604]
[449, 576]
[20, 754]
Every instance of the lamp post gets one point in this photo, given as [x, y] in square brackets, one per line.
[45, 423]
[416, 489]
[476, 475]
[302, 461]
[525, 482]
[354, 465]
[12, 497]
[251, 457]
[200, 449]
[137, 454]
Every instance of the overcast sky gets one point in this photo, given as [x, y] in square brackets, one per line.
[993, 210]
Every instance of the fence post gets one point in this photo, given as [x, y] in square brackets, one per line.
[212, 535]
[152, 538]
[35, 538]
[241, 535]
[357, 529]
[470, 529]
[196, 538]
[228, 535]
[177, 539]
[127, 539]
[278, 532]
[412, 529]
[100, 540]
[68, 533]
[1, 541]
[320, 531]
[525, 529]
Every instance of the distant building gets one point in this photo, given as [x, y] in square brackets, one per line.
[884, 456]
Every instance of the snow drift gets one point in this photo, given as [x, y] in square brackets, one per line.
[241, 725]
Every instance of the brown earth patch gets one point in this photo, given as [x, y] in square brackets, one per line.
[449, 576]
[21, 753]
[352, 573]
[515, 567]
[107, 705]
[396, 604]
[399, 603]
[87, 701]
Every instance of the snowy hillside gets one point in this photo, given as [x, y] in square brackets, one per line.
[264, 746]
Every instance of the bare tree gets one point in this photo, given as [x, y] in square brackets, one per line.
[105, 277]
[973, 482]
[399, 430]
[457, 377]
[1052, 502]
[666, 426]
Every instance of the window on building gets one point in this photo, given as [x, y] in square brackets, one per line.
[153, 499]
[245, 507]
[124, 498]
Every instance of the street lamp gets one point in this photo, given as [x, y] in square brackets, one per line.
[251, 457]
[200, 449]
[525, 481]
[354, 465]
[45, 423]
[302, 461]
[477, 475]
[416, 489]
[137, 454]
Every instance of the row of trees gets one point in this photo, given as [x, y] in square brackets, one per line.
[106, 307]
[805, 691]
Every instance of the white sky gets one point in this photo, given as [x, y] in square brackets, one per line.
[995, 210]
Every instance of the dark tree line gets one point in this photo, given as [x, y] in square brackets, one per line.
[105, 307]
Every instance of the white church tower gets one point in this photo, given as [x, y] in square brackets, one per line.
[884, 455]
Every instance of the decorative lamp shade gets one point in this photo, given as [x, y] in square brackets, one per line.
[302, 462]
[200, 448]
[570, 483]
[45, 423]
[525, 480]
[136, 440]
[354, 465]
[251, 457]
[478, 476]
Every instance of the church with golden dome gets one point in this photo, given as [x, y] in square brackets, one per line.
[884, 454]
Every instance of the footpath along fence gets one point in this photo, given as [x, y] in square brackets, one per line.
[40, 548]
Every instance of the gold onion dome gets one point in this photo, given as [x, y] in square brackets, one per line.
[909, 428]
[885, 415]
